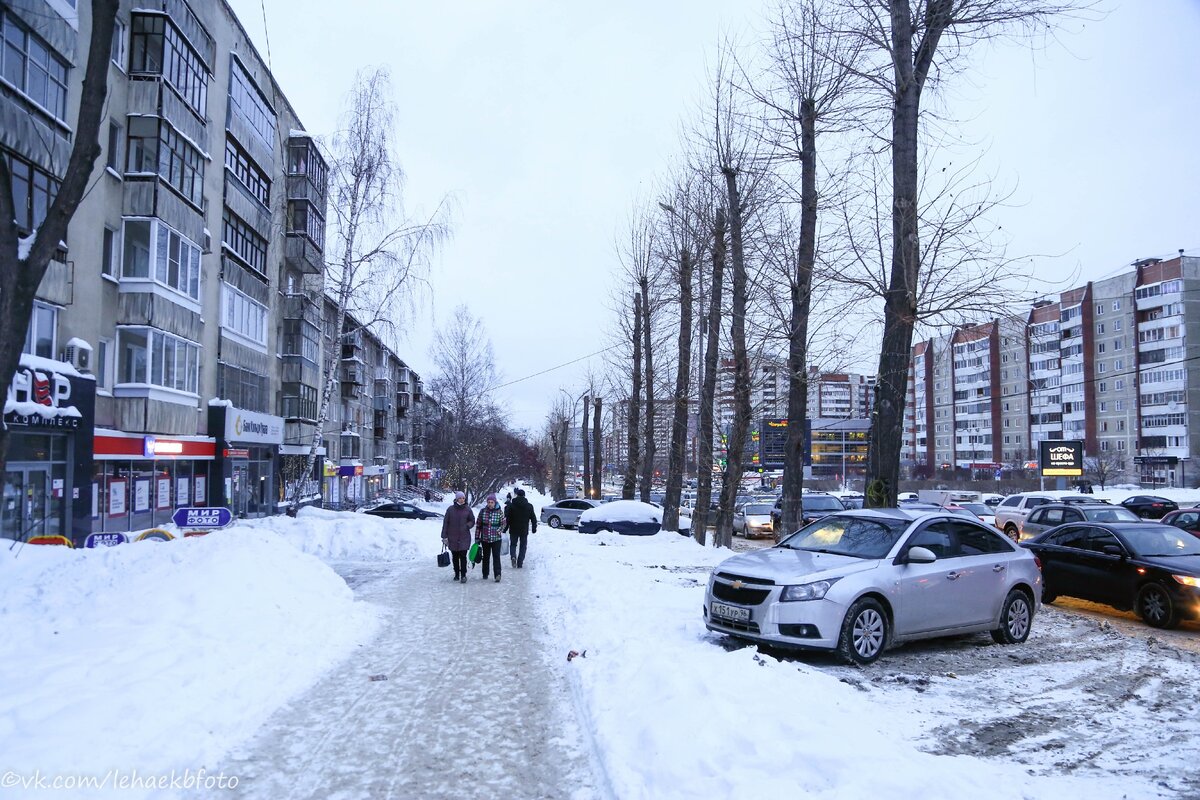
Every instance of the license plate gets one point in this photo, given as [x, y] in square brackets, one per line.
[731, 612]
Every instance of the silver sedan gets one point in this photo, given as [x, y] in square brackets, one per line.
[566, 513]
[857, 581]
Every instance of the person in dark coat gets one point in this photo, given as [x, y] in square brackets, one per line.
[488, 534]
[456, 534]
[518, 517]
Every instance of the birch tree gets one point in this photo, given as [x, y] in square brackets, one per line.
[379, 253]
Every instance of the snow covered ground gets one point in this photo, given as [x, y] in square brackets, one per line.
[153, 657]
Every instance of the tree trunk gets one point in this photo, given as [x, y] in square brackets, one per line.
[741, 365]
[596, 460]
[648, 354]
[557, 487]
[20, 277]
[583, 436]
[683, 371]
[708, 393]
[900, 307]
[565, 439]
[793, 469]
[633, 420]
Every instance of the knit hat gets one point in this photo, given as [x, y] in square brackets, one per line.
[492, 497]
[459, 496]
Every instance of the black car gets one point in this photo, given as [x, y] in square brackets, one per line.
[401, 511]
[1147, 506]
[813, 506]
[1150, 568]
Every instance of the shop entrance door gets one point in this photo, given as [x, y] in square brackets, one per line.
[241, 490]
[27, 511]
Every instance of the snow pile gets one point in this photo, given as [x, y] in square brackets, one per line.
[355, 536]
[623, 510]
[675, 714]
[159, 656]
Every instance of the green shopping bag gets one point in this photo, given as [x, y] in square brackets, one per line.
[475, 554]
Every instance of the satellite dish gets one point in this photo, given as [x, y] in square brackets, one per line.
[1171, 406]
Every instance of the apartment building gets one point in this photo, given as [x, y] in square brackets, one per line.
[175, 353]
[1109, 363]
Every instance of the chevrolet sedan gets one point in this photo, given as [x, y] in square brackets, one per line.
[753, 519]
[856, 582]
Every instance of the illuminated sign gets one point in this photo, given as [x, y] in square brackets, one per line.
[1061, 458]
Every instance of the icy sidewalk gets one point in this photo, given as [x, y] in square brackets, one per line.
[472, 706]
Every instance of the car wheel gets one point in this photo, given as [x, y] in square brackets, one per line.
[864, 632]
[1016, 619]
[1048, 597]
[1011, 532]
[554, 522]
[1156, 608]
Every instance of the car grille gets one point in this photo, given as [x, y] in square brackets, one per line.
[742, 596]
[745, 627]
[729, 576]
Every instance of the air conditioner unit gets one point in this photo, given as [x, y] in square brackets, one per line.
[78, 354]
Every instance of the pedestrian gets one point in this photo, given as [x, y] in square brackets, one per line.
[428, 496]
[519, 517]
[488, 534]
[456, 534]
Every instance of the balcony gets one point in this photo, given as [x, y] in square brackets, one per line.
[352, 346]
[301, 254]
[302, 307]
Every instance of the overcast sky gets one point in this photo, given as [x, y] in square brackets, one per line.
[548, 121]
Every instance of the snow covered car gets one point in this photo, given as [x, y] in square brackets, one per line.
[856, 581]
[628, 517]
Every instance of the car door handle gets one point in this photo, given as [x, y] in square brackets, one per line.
[952, 576]
[998, 568]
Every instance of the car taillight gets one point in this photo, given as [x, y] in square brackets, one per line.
[1037, 561]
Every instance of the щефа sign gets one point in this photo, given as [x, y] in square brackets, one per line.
[1058, 457]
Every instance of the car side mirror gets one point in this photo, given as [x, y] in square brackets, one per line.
[920, 555]
[1112, 550]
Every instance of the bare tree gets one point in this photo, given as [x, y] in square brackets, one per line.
[1106, 466]
[466, 369]
[381, 253]
[597, 450]
[24, 261]
[907, 37]
[633, 417]
[708, 391]
[807, 90]
[587, 450]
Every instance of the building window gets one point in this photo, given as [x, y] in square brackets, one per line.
[142, 153]
[34, 69]
[104, 364]
[1100, 329]
[117, 52]
[116, 134]
[243, 388]
[1103, 406]
[33, 190]
[181, 165]
[247, 172]
[1099, 309]
[243, 316]
[41, 337]
[151, 357]
[173, 262]
[244, 242]
[245, 98]
[1101, 367]
[1116, 324]
[159, 49]
[110, 253]
[1102, 388]
[1120, 405]
[304, 219]
[1120, 384]
[1117, 307]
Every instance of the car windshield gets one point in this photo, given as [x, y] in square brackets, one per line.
[1114, 514]
[1161, 540]
[757, 508]
[848, 536]
[978, 509]
[819, 503]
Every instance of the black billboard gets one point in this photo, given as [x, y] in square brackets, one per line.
[1060, 457]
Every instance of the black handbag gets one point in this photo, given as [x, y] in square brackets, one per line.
[443, 558]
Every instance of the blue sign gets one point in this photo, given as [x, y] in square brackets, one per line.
[215, 517]
[105, 539]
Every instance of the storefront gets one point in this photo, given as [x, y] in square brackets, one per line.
[292, 478]
[247, 451]
[50, 410]
[377, 479]
[138, 479]
[344, 484]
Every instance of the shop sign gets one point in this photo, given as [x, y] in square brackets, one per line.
[236, 452]
[38, 398]
[105, 539]
[155, 535]
[424, 475]
[251, 426]
[349, 471]
[1061, 457]
[212, 517]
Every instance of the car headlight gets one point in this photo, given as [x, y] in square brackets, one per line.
[1187, 580]
[807, 591]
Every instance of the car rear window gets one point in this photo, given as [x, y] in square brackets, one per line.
[1114, 514]
[821, 504]
[758, 508]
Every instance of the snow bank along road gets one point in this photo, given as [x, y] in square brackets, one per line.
[454, 698]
